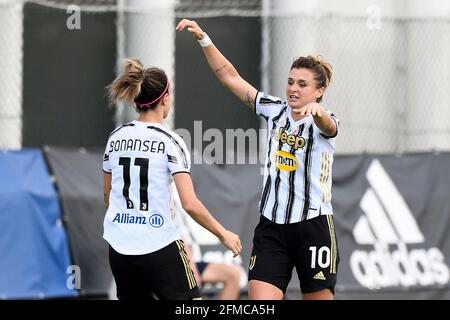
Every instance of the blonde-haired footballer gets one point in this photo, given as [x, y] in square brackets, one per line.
[146, 252]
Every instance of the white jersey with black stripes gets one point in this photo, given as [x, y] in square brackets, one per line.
[141, 157]
[297, 172]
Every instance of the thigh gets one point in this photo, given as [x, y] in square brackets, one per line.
[128, 282]
[220, 272]
[171, 275]
[259, 290]
[270, 261]
[316, 256]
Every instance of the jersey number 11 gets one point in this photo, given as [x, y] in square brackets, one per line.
[143, 179]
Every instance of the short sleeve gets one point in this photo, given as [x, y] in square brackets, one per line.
[179, 159]
[268, 106]
[335, 119]
[106, 165]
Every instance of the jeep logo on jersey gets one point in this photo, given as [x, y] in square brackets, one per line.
[156, 220]
[389, 225]
[285, 161]
[291, 139]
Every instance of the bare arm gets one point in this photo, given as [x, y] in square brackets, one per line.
[106, 188]
[195, 208]
[222, 68]
[326, 124]
[321, 118]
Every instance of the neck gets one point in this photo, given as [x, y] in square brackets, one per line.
[151, 116]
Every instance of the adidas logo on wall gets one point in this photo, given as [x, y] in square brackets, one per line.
[389, 223]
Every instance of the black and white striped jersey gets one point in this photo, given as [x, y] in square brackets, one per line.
[298, 166]
[141, 156]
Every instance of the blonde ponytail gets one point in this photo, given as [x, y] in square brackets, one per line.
[127, 86]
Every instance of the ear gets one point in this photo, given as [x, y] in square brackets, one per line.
[320, 92]
[165, 99]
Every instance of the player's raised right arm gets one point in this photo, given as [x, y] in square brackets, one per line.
[222, 68]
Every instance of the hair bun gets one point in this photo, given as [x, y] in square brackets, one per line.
[326, 66]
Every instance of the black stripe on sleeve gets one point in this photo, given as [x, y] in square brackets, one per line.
[122, 126]
[177, 144]
[307, 173]
[337, 129]
[172, 159]
[176, 172]
[254, 102]
[267, 101]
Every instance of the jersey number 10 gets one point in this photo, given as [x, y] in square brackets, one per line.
[324, 252]
[142, 163]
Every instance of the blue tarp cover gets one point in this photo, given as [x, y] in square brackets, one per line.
[34, 252]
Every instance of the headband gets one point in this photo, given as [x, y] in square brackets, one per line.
[148, 104]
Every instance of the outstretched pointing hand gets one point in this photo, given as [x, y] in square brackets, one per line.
[312, 108]
[192, 27]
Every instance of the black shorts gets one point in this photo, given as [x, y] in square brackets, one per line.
[201, 266]
[164, 274]
[310, 246]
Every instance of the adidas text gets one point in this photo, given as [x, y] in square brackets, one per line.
[381, 268]
[389, 225]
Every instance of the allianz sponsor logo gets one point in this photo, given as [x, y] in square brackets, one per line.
[126, 218]
[389, 225]
[155, 220]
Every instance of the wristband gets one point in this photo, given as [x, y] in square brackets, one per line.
[206, 41]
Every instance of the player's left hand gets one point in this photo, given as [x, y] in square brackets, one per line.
[232, 242]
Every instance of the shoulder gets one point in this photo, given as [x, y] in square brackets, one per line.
[264, 99]
[175, 136]
[171, 137]
[269, 106]
[130, 124]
